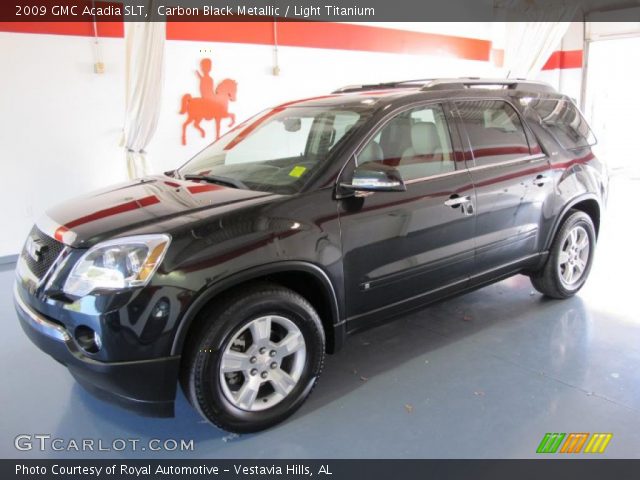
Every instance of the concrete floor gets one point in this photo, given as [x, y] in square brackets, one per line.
[480, 376]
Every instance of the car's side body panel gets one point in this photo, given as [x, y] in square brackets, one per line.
[403, 245]
[398, 245]
[510, 195]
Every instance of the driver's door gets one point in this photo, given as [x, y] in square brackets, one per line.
[401, 249]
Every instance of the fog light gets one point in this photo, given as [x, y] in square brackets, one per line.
[88, 339]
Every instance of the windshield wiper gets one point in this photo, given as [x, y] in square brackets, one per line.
[231, 182]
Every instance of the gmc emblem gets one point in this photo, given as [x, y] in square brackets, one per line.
[35, 248]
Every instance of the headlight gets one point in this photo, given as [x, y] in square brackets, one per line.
[117, 264]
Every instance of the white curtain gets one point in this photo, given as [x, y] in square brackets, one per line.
[528, 45]
[144, 78]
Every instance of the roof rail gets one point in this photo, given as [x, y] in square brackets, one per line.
[385, 85]
[430, 84]
[470, 82]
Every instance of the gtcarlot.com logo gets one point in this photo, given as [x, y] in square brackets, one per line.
[45, 442]
[574, 442]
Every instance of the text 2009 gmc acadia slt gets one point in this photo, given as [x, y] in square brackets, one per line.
[237, 272]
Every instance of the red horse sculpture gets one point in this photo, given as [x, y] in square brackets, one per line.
[216, 108]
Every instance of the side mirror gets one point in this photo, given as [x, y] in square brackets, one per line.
[375, 177]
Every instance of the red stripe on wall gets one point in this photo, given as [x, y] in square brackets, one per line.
[335, 36]
[497, 57]
[564, 59]
[338, 36]
[81, 29]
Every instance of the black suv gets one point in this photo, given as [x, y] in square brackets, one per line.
[237, 272]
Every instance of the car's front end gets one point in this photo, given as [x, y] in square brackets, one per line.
[94, 311]
[103, 282]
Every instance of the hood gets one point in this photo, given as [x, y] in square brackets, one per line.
[113, 211]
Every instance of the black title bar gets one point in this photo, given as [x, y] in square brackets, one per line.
[314, 10]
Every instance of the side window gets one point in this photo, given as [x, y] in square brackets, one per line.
[495, 131]
[565, 123]
[416, 142]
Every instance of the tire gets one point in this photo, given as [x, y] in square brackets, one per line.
[568, 265]
[231, 378]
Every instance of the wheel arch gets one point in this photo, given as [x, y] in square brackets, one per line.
[307, 279]
[588, 204]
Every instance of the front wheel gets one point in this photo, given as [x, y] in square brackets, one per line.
[570, 258]
[256, 359]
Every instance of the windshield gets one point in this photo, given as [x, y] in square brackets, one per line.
[278, 150]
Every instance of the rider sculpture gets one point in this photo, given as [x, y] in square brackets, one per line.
[211, 105]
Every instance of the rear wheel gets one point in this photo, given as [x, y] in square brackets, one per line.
[255, 360]
[570, 258]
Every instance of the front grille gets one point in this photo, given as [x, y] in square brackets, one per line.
[49, 249]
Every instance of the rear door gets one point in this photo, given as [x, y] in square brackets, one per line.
[400, 248]
[512, 180]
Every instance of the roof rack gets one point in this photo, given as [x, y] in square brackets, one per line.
[384, 86]
[471, 82]
[431, 84]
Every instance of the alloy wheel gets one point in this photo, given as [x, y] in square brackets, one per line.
[262, 363]
[574, 256]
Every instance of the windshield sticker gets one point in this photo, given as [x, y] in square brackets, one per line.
[297, 171]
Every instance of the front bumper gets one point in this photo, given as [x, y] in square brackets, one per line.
[145, 386]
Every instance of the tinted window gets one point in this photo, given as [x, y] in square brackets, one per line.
[565, 123]
[416, 142]
[495, 131]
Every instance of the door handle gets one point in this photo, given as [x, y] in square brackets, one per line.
[455, 201]
[540, 180]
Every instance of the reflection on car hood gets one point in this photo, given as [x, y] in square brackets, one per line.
[86, 220]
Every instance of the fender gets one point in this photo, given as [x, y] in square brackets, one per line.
[563, 212]
[339, 331]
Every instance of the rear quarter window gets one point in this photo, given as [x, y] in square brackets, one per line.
[565, 123]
